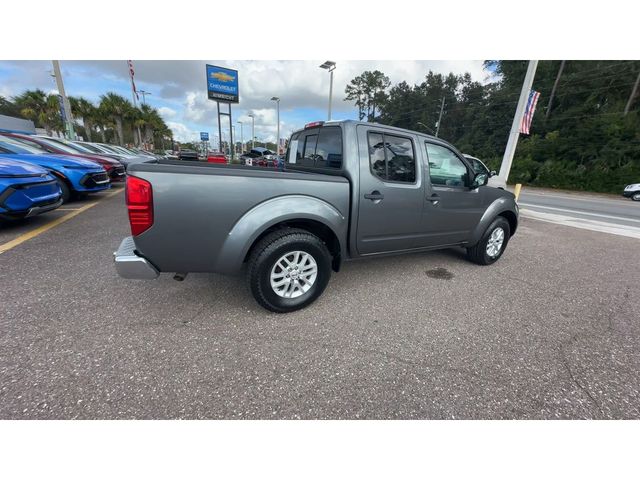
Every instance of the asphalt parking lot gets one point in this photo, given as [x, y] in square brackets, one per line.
[550, 331]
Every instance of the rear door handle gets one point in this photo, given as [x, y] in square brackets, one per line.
[375, 195]
[434, 199]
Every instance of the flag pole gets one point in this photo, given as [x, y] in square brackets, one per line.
[507, 159]
[133, 85]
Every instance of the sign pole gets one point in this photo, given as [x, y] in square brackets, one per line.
[220, 129]
[233, 150]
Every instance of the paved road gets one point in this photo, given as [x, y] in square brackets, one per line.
[619, 212]
[550, 331]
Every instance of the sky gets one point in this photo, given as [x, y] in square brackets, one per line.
[178, 88]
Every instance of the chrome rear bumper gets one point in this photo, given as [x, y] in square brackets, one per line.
[131, 265]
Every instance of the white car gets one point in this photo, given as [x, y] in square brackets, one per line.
[479, 167]
[632, 191]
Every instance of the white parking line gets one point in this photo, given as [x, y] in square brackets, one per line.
[582, 198]
[583, 223]
[581, 212]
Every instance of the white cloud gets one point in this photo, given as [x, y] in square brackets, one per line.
[166, 112]
[179, 87]
[182, 133]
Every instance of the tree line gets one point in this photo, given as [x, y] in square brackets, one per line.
[113, 120]
[586, 138]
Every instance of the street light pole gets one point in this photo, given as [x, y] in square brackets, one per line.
[233, 147]
[277, 100]
[241, 138]
[253, 130]
[144, 96]
[330, 66]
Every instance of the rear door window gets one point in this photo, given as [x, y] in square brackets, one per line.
[392, 158]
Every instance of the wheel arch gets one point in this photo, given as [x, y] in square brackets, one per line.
[309, 213]
[502, 207]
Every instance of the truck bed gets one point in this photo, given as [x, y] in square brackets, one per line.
[201, 208]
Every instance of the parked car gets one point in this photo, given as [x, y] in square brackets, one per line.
[258, 156]
[187, 154]
[144, 153]
[123, 156]
[371, 197]
[170, 155]
[216, 157]
[632, 191]
[479, 167]
[26, 189]
[114, 169]
[74, 175]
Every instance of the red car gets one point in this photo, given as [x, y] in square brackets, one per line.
[216, 157]
[115, 170]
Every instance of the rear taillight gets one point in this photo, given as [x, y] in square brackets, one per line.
[139, 204]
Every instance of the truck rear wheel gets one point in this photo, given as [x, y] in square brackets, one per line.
[492, 244]
[288, 269]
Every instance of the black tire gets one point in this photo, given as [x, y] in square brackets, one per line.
[636, 197]
[269, 250]
[66, 191]
[478, 253]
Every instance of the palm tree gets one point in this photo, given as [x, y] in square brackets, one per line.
[42, 109]
[86, 110]
[115, 108]
[138, 121]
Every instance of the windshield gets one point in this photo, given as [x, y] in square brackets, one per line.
[122, 150]
[83, 147]
[108, 148]
[16, 146]
[59, 145]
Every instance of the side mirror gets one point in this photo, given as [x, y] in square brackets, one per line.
[480, 180]
[493, 173]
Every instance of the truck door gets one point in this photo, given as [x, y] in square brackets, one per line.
[451, 209]
[391, 192]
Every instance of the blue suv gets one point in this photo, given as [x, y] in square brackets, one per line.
[26, 190]
[74, 175]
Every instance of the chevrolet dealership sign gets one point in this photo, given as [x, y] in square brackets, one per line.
[222, 84]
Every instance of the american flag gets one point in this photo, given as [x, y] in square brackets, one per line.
[525, 123]
[133, 83]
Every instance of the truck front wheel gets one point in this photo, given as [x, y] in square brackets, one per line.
[492, 244]
[288, 269]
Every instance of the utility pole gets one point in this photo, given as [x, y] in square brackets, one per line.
[253, 130]
[440, 117]
[553, 90]
[633, 95]
[68, 116]
[507, 159]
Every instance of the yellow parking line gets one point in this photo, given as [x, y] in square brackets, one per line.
[34, 233]
[40, 230]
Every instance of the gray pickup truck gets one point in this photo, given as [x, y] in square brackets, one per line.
[349, 190]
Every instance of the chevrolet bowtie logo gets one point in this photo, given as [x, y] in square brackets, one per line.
[223, 77]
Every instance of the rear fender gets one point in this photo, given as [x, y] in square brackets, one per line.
[272, 212]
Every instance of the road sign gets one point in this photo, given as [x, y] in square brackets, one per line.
[204, 136]
[222, 84]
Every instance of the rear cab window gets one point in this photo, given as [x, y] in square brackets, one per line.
[316, 149]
